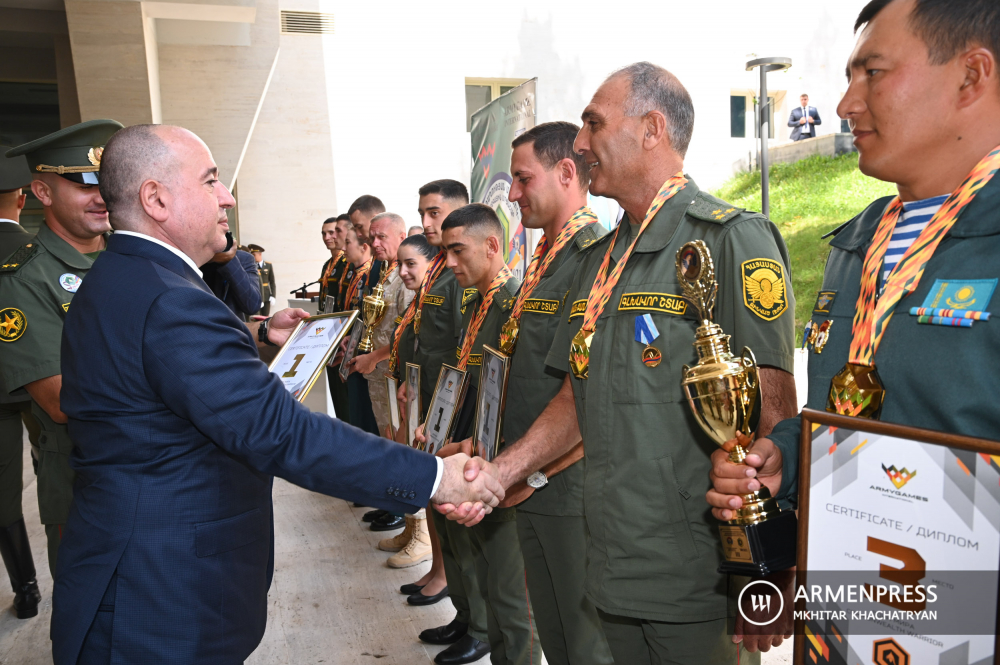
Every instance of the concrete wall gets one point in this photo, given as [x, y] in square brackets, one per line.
[827, 146]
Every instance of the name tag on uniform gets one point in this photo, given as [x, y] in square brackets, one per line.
[668, 303]
[541, 306]
[577, 309]
[437, 301]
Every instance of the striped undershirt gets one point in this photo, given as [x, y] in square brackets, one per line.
[916, 215]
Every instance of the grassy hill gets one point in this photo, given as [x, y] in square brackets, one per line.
[808, 198]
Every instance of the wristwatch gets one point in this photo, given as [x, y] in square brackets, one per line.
[537, 480]
[262, 333]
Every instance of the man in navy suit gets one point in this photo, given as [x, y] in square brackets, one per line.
[179, 429]
[804, 119]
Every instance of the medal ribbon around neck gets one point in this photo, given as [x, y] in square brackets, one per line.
[874, 312]
[352, 290]
[433, 270]
[600, 293]
[329, 268]
[480, 316]
[581, 219]
[387, 272]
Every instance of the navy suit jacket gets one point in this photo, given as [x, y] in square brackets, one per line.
[236, 283]
[796, 115]
[178, 430]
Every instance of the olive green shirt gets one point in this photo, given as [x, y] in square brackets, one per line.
[654, 546]
[12, 237]
[440, 328]
[532, 384]
[489, 331]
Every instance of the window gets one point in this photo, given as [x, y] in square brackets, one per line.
[738, 116]
[479, 92]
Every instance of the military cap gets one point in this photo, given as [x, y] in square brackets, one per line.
[14, 172]
[73, 152]
[255, 248]
[244, 248]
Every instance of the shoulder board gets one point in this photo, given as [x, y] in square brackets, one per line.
[710, 209]
[507, 293]
[20, 256]
[469, 295]
[589, 235]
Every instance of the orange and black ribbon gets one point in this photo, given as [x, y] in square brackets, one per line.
[430, 276]
[477, 320]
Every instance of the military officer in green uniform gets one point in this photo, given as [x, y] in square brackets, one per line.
[37, 284]
[926, 361]
[550, 184]
[473, 238]
[654, 549]
[437, 326]
[15, 409]
[268, 286]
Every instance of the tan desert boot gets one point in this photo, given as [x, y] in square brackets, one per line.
[417, 550]
[400, 540]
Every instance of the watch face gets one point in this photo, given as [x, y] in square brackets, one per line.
[537, 480]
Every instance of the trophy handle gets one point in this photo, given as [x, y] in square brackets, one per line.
[750, 362]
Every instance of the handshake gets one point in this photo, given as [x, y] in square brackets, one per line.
[469, 489]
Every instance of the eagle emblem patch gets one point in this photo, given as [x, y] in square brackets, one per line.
[764, 288]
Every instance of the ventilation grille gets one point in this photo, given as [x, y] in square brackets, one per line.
[308, 23]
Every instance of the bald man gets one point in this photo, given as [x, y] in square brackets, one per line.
[179, 429]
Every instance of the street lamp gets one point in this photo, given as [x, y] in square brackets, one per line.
[763, 118]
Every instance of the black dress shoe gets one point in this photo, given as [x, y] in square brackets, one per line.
[449, 634]
[388, 522]
[466, 650]
[372, 515]
[420, 599]
[410, 589]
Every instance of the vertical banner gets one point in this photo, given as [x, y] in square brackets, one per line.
[494, 127]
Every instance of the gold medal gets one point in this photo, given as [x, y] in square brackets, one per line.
[651, 356]
[856, 391]
[508, 335]
[579, 353]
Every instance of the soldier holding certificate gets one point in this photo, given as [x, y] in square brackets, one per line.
[914, 273]
[654, 550]
[474, 237]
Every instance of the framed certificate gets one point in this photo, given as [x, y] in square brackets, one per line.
[391, 386]
[310, 346]
[898, 544]
[490, 403]
[352, 345]
[447, 398]
[413, 406]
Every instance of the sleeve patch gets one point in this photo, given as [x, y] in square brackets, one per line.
[468, 295]
[13, 323]
[764, 288]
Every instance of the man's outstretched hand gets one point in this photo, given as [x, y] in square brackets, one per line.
[283, 323]
[469, 513]
[482, 492]
[763, 467]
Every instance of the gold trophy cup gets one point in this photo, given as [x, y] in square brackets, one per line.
[723, 391]
[372, 311]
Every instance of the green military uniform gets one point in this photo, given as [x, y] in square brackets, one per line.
[654, 546]
[550, 523]
[37, 284]
[440, 328]
[927, 370]
[331, 287]
[499, 565]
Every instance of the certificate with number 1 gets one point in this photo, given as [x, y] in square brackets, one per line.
[302, 358]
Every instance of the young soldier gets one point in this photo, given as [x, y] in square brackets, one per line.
[436, 318]
[362, 211]
[360, 256]
[550, 185]
[474, 239]
[653, 555]
[14, 545]
[944, 53]
[330, 277]
[268, 285]
[37, 284]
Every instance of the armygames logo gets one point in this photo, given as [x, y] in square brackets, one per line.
[900, 477]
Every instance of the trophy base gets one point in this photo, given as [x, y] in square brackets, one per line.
[762, 548]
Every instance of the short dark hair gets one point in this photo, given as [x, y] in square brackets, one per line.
[450, 190]
[330, 220]
[553, 142]
[419, 243]
[477, 217]
[947, 26]
[366, 205]
[343, 217]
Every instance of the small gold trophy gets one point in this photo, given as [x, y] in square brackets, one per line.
[372, 310]
[724, 393]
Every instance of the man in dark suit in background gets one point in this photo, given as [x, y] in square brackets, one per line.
[232, 277]
[804, 119]
[179, 429]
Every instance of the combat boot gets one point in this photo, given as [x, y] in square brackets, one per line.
[400, 540]
[16, 552]
[417, 549]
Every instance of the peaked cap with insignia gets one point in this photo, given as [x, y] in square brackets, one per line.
[255, 248]
[14, 172]
[73, 152]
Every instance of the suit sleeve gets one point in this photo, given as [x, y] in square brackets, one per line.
[815, 114]
[792, 120]
[201, 362]
[244, 282]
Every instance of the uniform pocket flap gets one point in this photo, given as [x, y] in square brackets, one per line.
[220, 536]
